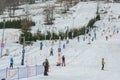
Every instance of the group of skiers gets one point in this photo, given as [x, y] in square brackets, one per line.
[88, 36]
[51, 49]
[47, 65]
[46, 62]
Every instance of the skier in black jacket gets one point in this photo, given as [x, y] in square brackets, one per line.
[46, 66]
[63, 60]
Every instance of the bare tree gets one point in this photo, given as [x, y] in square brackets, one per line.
[49, 11]
[26, 25]
[12, 6]
[32, 1]
[2, 6]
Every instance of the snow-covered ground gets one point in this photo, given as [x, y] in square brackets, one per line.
[83, 60]
[77, 17]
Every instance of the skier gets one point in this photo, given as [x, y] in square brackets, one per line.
[41, 45]
[106, 38]
[95, 35]
[46, 67]
[67, 40]
[11, 62]
[51, 52]
[64, 46]
[92, 39]
[103, 62]
[84, 38]
[63, 60]
[78, 38]
[59, 58]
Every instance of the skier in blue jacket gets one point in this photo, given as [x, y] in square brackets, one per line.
[11, 62]
[41, 45]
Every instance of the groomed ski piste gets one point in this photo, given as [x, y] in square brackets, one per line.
[83, 60]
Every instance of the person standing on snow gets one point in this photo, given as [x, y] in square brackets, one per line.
[102, 62]
[63, 60]
[64, 46]
[51, 52]
[106, 38]
[78, 38]
[46, 67]
[67, 40]
[11, 62]
[94, 35]
[41, 45]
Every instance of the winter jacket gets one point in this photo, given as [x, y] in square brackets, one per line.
[41, 44]
[46, 63]
[103, 62]
[11, 60]
[63, 58]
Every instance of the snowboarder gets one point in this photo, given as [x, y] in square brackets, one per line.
[63, 60]
[41, 45]
[11, 62]
[102, 62]
[46, 67]
[51, 52]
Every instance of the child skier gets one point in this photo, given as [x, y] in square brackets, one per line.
[102, 62]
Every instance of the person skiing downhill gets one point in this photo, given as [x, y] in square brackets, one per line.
[11, 62]
[102, 62]
[41, 45]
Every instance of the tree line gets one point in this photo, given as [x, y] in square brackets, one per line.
[17, 24]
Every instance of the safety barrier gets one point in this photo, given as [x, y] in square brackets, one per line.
[21, 72]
